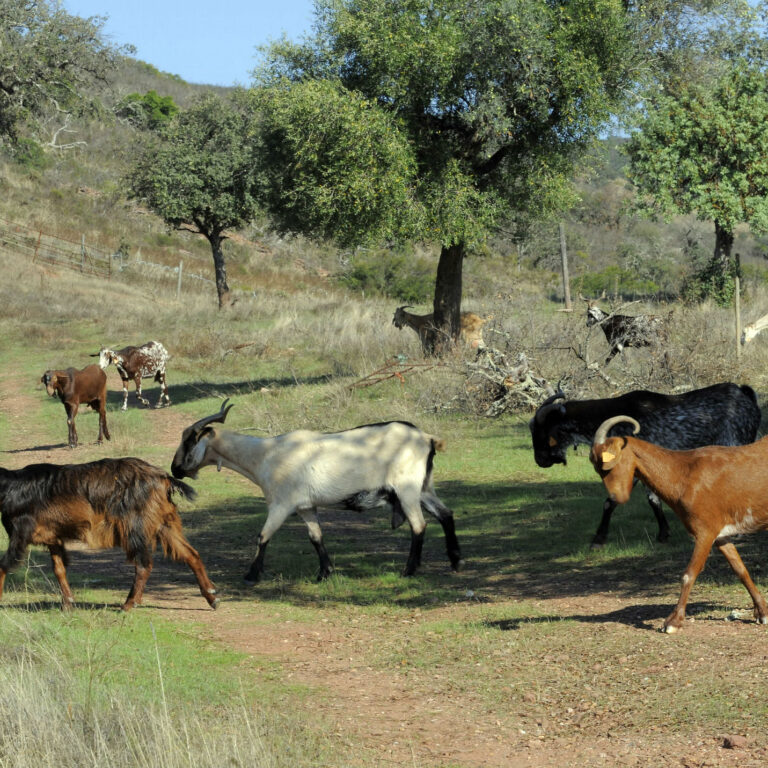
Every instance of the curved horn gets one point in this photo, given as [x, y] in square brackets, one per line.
[602, 430]
[548, 406]
[198, 426]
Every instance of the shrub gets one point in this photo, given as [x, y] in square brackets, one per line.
[384, 273]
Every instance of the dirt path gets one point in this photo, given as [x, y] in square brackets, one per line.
[416, 719]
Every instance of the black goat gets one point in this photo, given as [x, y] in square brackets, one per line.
[723, 414]
[626, 330]
[108, 503]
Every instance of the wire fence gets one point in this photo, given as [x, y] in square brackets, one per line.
[41, 247]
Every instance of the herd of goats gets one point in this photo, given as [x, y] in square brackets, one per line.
[698, 455]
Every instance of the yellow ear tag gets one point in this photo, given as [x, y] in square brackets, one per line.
[552, 442]
[607, 456]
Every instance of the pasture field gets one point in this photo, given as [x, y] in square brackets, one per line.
[540, 652]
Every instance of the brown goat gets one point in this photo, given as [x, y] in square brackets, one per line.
[718, 492]
[470, 326]
[108, 503]
[75, 388]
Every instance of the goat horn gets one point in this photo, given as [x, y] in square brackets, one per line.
[602, 430]
[198, 426]
[548, 406]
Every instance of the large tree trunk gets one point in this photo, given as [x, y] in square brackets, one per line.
[447, 306]
[723, 247]
[220, 269]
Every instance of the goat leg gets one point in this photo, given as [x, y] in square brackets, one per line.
[601, 534]
[59, 559]
[732, 556]
[139, 397]
[71, 410]
[701, 550]
[180, 549]
[316, 537]
[256, 571]
[137, 590]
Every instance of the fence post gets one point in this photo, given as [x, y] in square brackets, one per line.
[37, 245]
[564, 259]
[737, 306]
[178, 284]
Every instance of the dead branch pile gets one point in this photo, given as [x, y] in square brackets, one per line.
[494, 385]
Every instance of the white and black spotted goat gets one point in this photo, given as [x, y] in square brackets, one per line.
[378, 465]
[137, 363]
[623, 331]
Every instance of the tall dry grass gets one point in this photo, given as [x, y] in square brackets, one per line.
[51, 719]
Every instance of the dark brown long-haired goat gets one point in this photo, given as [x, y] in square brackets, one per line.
[107, 503]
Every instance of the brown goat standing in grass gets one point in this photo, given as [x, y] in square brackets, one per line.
[108, 503]
[718, 492]
[470, 327]
[75, 388]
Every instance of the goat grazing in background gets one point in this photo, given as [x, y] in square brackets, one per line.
[135, 364]
[470, 326]
[717, 492]
[723, 414]
[108, 503]
[75, 388]
[380, 465]
[626, 330]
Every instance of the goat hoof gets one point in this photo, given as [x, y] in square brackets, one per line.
[250, 581]
[597, 545]
[458, 565]
[670, 629]
[215, 604]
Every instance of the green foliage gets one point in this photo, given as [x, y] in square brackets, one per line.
[150, 111]
[29, 154]
[333, 164]
[704, 150]
[628, 283]
[47, 57]
[391, 274]
[200, 172]
[709, 280]
[490, 103]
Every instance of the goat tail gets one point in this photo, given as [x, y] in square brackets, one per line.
[438, 444]
[176, 486]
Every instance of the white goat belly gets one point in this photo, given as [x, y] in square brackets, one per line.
[745, 525]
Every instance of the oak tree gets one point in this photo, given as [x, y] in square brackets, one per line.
[198, 174]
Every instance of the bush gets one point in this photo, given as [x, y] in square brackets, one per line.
[30, 155]
[615, 280]
[383, 273]
[709, 281]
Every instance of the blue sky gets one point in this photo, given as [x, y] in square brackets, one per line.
[203, 41]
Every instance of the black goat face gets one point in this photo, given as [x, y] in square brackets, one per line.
[548, 449]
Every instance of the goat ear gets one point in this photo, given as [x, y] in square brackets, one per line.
[608, 458]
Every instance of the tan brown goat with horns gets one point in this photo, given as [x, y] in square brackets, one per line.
[718, 492]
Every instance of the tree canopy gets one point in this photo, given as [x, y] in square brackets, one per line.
[488, 103]
[199, 174]
[47, 57]
[703, 149]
